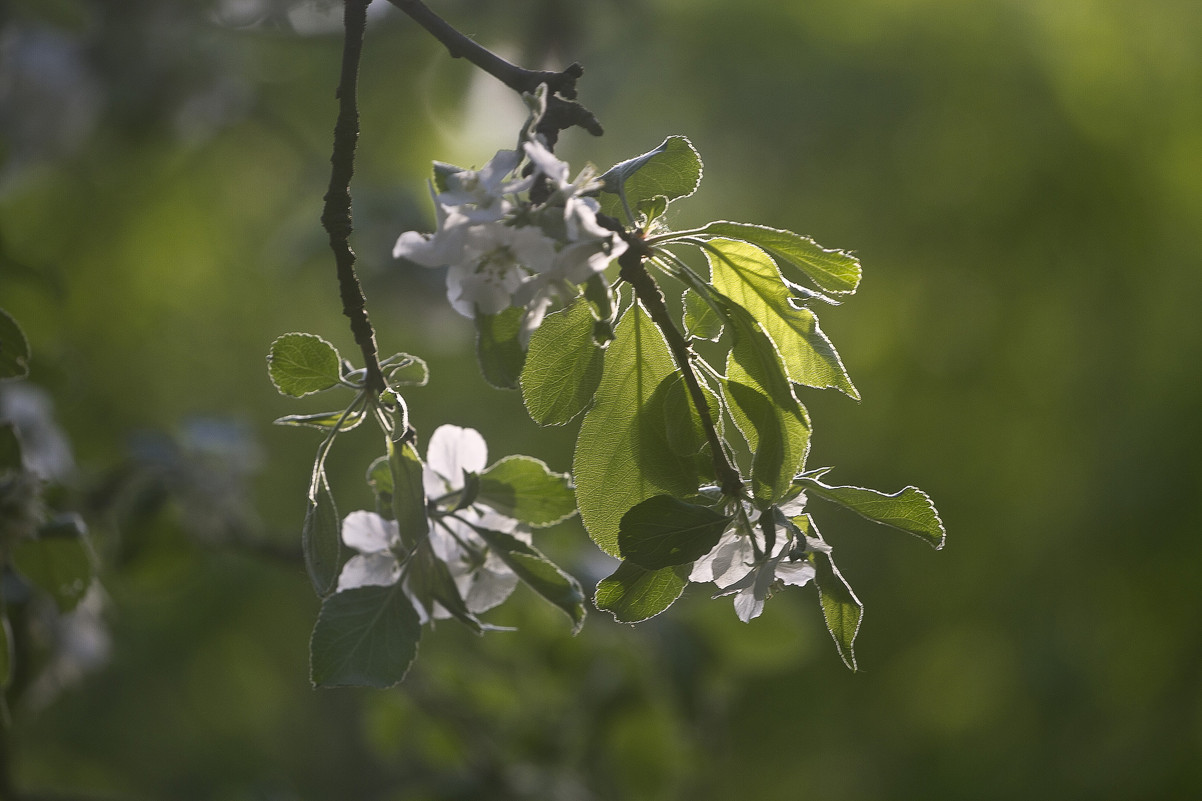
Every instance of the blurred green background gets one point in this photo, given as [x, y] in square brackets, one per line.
[1022, 180]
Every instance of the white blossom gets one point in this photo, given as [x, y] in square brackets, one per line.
[481, 576]
[484, 580]
[741, 564]
[378, 543]
[501, 249]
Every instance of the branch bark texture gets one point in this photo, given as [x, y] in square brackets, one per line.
[563, 111]
[336, 216]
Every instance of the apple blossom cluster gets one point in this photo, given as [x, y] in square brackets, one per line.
[748, 565]
[501, 248]
[481, 577]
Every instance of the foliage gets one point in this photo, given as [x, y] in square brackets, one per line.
[690, 465]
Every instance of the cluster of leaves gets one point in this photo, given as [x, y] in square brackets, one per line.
[693, 433]
[437, 548]
[43, 555]
[690, 463]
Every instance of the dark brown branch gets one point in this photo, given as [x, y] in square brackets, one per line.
[336, 216]
[634, 272]
[563, 111]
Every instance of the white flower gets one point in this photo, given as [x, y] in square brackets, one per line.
[481, 576]
[748, 572]
[501, 250]
[378, 542]
[493, 264]
[482, 193]
[758, 584]
[484, 580]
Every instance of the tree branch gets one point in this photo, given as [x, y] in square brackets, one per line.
[634, 272]
[336, 216]
[563, 111]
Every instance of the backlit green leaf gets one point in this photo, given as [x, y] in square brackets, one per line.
[539, 573]
[301, 364]
[761, 402]
[633, 593]
[499, 348]
[563, 366]
[835, 272]
[14, 348]
[379, 478]
[672, 170]
[321, 540]
[403, 369]
[408, 495]
[430, 582]
[364, 637]
[841, 609]
[325, 421]
[682, 423]
[700, 319]
[663, 531]
[749, 277]
[622, 453]
[525, 489]
[910, 510]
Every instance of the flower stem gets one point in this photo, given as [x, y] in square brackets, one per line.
[634, 272]
[336, 215]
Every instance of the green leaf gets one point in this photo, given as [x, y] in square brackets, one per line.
[910, 510]
[539, 573]
[14, 348]
[672, 170]
[841, 608]
[499, 347]
[525, 489]
[409, 496]
[835, 272]
[700, 319]
[563, 366]
[622, 454]
[58, 561]
[6, 653]
[379, 478]
[633, 594]
[749, 277]
[761, 402]
[301, 364]
[430, 582]
[663, 531]
[321, 540]
[10, 448]
[652, 209]
[682, 423]
[325, 421]
[402, 369]
[364, 637]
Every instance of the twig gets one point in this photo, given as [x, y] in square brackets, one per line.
[563, 111]
[634, 272]
[336, 216]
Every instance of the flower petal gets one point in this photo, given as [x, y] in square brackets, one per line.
[748, 604]
[452, 450]
[796, 573]
[367, 532]
[369, 570]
